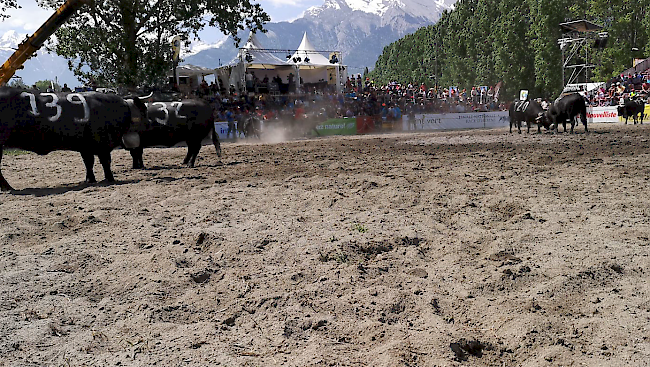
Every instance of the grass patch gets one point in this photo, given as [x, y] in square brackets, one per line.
[359, 228]
[14, 152]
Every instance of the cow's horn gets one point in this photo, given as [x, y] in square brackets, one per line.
[147, 96]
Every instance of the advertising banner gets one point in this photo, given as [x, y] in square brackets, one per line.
[450, 121]
[221, 127]
[602, 114]
[344, 126]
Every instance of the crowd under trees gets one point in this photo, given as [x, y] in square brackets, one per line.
[483, 42]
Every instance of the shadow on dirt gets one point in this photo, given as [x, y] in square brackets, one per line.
[39, 192]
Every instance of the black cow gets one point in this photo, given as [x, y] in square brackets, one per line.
[566, 109]
[250, 126]
[173, 122]
[632, 108]
[89, 123]
[530, 112]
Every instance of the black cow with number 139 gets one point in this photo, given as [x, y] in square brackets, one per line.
[89, 123]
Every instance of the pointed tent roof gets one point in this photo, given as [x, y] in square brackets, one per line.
[260, 56]
[306, 49]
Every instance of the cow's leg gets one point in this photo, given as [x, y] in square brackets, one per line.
[89, 161]
[216, 142]
[193, 148]
[519, 127]
[136, 154]
[4, 185]
[105, 160]
[510, 126]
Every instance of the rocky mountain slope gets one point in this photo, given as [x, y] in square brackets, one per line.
[44, 66]
[358, 28]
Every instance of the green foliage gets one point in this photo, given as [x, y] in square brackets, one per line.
[17, 83]
[126, 43]
[483, 42]
[6, 5]
[43, 85]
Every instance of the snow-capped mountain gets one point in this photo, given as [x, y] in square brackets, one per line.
[43, 66]
[360, 29]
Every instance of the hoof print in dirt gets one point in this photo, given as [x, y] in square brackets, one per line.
[202, 276]
[230, 321]
[617, 268]
[408, 241]
[418, 272]
[201, 238]
[463, 348]
[505, 257]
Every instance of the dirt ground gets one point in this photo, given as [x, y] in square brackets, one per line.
[476, 248]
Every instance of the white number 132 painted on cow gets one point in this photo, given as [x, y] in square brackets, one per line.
[162, 106]
[73, 98]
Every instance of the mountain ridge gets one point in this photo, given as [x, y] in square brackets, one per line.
[360, 29]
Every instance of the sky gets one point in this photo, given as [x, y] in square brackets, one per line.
[31, 16]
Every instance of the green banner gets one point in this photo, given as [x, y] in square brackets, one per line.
[337, 127]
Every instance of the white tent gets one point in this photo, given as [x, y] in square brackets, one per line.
[261, 58]
[307, 51]
[313, 66]
[193, 74]
[264, 63]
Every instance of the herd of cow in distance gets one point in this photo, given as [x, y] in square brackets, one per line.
[94, 124]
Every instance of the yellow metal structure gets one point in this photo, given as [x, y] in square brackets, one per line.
[28, 47]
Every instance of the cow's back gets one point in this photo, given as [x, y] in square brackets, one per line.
[174, 122]
[43, 122]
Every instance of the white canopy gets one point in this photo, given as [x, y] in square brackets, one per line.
[307, 50]
[262, 59]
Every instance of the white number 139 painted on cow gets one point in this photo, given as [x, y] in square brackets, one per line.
[73, 98]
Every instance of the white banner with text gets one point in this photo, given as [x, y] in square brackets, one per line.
[449, 121]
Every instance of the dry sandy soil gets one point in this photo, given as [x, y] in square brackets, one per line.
[475, 248]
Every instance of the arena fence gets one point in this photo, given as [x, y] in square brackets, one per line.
[431, 122]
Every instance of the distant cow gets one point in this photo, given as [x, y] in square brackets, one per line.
[173, 122]
[530, 112]
[566, 109]
[632, 108]
[89, 123]
[250, 126]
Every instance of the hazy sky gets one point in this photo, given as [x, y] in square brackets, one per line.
[31, 16]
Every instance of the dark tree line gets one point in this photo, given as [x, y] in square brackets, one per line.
[483, 42]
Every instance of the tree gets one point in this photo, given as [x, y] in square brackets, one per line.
[18, 83]
[126, 42]
[6, 5]
[46, 84]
